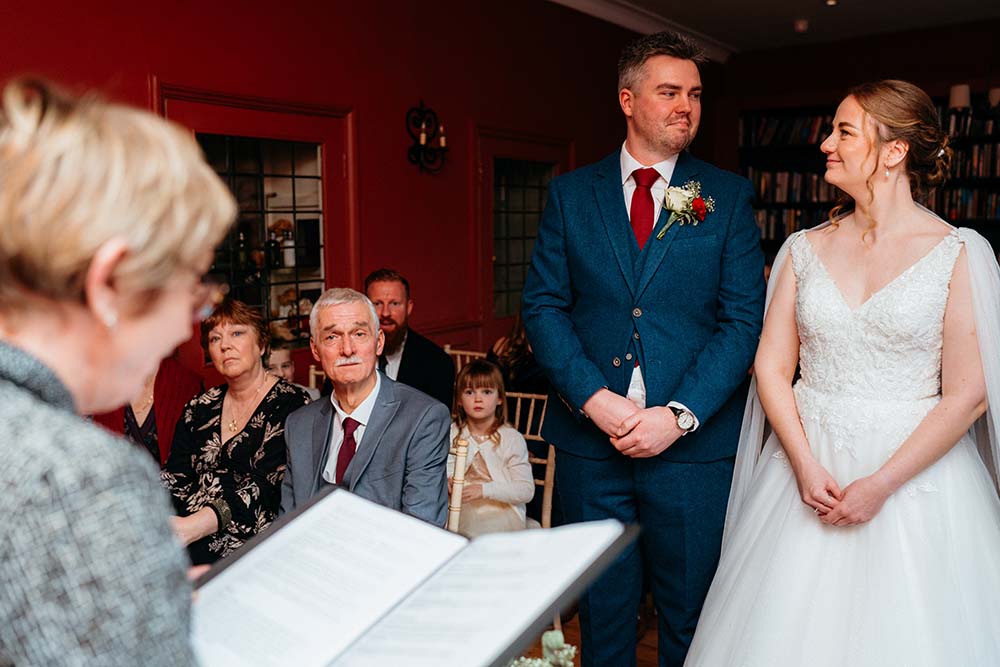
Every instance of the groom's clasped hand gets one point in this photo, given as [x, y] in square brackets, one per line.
[633, 431]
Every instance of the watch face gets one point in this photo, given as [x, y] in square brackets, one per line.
[685, 421]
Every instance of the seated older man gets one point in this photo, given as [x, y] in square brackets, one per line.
[374, 436]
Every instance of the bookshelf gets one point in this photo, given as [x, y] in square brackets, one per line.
[779, 153]
[971, 197]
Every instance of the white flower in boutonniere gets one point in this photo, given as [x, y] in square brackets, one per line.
[686, 205]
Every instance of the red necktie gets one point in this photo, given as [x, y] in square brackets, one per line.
[642, 204]
[347, 447]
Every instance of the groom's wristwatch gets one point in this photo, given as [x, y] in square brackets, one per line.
[685, 420]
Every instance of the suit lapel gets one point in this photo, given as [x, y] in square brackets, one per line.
[322, 425]
[656, 249]
[614, 213]
[386, 405]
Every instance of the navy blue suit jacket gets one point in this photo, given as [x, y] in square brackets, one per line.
[689, 305]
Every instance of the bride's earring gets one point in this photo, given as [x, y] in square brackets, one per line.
[109, 318]
[887, 173]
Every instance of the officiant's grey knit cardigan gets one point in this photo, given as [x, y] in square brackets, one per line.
[89, 571]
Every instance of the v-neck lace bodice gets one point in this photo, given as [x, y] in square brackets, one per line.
[889, 347]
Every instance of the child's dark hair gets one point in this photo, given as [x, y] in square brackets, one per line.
[480, 374]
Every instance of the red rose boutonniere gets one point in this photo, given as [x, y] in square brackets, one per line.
[686, 205]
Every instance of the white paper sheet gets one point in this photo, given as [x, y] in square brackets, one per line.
[481, 601]
[301, 596]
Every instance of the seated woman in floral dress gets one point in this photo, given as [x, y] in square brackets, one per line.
[228, 454]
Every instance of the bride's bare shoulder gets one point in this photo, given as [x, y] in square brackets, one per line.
[931, 227]
[826, 234]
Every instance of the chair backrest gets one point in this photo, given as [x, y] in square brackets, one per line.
[462, 357]
[316, 376]
[526, 413]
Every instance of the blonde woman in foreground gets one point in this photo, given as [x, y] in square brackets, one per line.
[108, 220]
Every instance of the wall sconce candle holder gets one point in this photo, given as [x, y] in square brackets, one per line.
[430, 146]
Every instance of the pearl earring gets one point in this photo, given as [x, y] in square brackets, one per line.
[109, 318]
[887, 172]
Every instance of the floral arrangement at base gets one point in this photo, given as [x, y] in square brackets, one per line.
[555, 653]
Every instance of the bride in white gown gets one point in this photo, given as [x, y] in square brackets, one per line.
[867, 531]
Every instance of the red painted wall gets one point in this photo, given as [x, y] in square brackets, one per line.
[524, 65]
[528, 66]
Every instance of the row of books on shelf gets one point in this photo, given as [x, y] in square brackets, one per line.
[780, 187]
[975, 122]
[807, 130]
[811, 129]
[965, 203]
[977, 161]
[778, 224]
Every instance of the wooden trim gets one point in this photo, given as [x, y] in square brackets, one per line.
[493, 132]
[168, 91]
[344, 168]
[486, 139]
[352, 171]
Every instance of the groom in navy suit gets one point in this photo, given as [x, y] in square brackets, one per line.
[646, 324]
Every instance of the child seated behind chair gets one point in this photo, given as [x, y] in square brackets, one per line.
[498, 481]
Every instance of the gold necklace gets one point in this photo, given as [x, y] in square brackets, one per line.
[148, 402]
[234, 422]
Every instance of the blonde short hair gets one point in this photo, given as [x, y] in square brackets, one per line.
[76, 173]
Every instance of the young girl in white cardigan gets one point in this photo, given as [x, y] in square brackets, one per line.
[498, 481]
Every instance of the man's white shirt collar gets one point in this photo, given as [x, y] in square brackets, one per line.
[629, 164]
[362, 414]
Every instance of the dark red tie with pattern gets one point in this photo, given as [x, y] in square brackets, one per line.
[347, 447]
[642, 204]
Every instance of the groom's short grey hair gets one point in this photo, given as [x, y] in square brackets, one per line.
[336, 296]
[666, 43]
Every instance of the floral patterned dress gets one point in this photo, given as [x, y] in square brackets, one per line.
[241, 477]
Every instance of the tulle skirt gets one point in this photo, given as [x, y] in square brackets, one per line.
[918, 585]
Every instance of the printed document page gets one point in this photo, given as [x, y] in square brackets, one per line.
[307, 591]
[482, 601]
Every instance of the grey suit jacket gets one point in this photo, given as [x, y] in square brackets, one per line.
[401, 461]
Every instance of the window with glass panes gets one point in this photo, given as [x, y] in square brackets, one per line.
[272, 258]
[519, 190]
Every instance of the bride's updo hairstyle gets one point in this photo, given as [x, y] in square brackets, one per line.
[904, 112]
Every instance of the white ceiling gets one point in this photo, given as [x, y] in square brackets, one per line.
[732, 26]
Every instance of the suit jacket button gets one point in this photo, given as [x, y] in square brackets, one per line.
[635, 334]
[637, 312]
[628, 357]
[616, 362]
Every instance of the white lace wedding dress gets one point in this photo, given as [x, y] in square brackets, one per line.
[918, 585]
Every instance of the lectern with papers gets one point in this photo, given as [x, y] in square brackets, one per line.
[343, 582]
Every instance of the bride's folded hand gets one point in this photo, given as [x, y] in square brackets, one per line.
[817, 488]
[863, 498]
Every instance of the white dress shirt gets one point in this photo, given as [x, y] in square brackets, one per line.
[637, 386]
[392, 361]
[362, 414]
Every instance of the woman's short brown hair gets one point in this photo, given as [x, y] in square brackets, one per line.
[232, 311]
